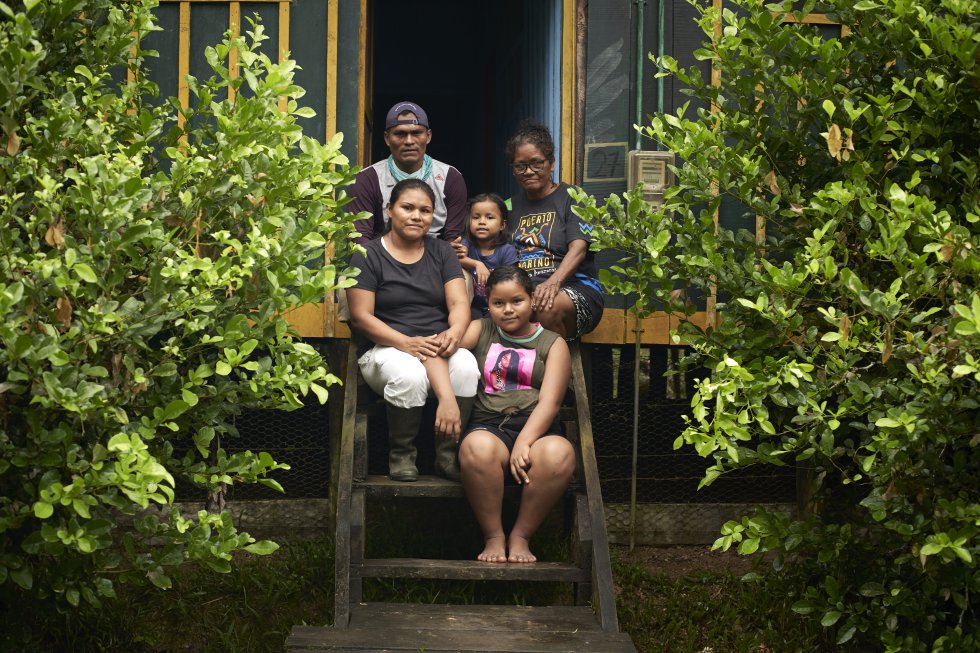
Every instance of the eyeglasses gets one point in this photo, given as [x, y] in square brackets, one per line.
[537, 165]
[402, 134]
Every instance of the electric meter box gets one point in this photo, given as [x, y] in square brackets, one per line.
[652, 168]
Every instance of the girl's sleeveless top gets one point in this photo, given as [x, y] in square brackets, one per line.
[511, 371]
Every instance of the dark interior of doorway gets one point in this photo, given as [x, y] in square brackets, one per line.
[468, 65]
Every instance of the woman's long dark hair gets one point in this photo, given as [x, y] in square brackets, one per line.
[504, 235]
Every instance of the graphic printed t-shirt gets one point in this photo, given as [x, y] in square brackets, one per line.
[511, 372]
[409, 297]
[543, 229]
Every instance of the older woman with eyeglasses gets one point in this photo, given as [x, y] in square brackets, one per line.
[553, 242]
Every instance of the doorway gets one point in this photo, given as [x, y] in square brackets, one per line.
[477, 68]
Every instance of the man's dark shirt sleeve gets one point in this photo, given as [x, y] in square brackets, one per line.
[366, 194]
[456, 198]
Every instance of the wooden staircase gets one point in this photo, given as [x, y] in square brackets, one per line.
[590, 625]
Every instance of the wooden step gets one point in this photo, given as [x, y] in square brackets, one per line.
[481, 628]
[427, 486]
[376, 485]
[468, 570]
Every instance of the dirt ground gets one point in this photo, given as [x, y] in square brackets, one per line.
[679, 561]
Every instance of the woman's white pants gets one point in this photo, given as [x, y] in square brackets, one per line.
[401, 378]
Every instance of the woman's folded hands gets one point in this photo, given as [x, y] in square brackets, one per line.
[423, 347]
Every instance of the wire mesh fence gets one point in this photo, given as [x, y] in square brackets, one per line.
[669, 508]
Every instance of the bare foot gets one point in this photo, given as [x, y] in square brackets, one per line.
[520, 550]
[493, 550]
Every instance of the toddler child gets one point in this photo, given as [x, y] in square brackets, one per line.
[486, 246]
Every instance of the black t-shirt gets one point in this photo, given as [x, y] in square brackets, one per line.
[543, 229]
[409, 297]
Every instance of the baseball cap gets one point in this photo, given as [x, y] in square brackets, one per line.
[402, 107]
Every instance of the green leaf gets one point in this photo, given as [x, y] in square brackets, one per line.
[202, 440]
[85, 273]
[872, 589]
[830, 618]
[931, 549]
[81, 508]
[222, 368]
[273, 484]
[749, 546]
[262, 547]
[168, 368]
[175, 409]
[247, 347]
[59, 358]
[160, 579]
[119, 442]
[320, 392]
[965, 328]
[22, 576]
[43, 510]
[189, 397]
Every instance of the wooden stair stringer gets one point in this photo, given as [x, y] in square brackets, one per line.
[604, 598]
[345, 473]
[590, 569]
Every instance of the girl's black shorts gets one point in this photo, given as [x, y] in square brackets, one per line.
[509, 427]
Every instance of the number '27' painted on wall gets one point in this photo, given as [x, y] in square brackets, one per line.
[605, 161]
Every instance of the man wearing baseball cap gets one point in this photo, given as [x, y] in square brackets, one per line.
[407, 134]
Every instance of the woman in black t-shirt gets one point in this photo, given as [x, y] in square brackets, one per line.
[552, 241]
[410, 303]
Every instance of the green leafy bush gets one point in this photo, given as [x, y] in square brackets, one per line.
[144, 273]
[848, 336]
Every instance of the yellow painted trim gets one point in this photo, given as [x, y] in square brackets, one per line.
[715, 72]
[809, 19]
[283, 44]
[234, 26]
[814, 19]
[133, 51]
[333, 13]
[328, 324]
[329, 304]
[183, 60]
[617, 325]
[362, 88]
[615, 328]
[341, 329]
[306, 319]
[568, 92]
[216, 1]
